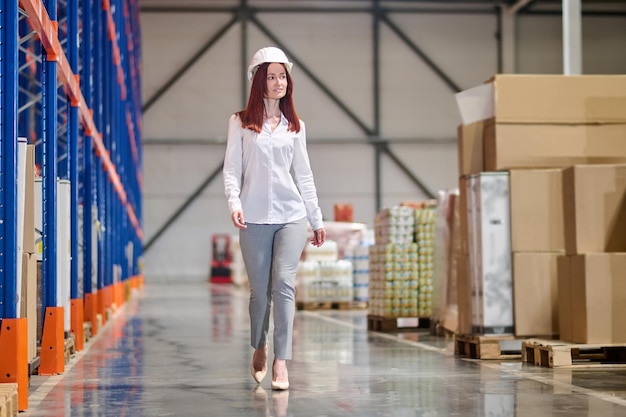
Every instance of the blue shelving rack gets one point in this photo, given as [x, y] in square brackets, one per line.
[71, 85]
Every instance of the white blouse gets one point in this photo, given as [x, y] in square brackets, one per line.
[268, 176]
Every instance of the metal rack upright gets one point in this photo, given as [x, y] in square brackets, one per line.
[71, 85]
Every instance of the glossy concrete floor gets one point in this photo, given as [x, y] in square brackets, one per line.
[182, 350]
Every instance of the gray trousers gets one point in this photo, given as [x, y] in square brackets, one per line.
[271, 253]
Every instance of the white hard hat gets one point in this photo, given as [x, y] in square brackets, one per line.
[268, 54]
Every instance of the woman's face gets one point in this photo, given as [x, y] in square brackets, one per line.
[276, 82]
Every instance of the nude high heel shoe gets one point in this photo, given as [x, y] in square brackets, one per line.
[259, 375]
[280, 385]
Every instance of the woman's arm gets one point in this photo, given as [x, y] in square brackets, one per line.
[303, 176]
[232, 171]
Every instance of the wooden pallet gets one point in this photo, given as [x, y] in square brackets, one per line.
[33, 365]
[70, 348]
[331, 305]
[8, 400]
[396, 324]
[87, 331]
[487, 347]
[558, 354]
[99, 322]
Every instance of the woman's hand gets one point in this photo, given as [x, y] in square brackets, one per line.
[238, 220]
[319, 237]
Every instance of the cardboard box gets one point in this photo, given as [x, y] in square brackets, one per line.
[556, 99]
[535, 294]
[594, 201]
[510, 146]
[537, 223]
[470, 144]
[29, 202]
[566, 325]
[598, 297]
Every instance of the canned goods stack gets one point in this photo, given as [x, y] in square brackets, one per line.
[401, 263]
[394, 280]
[425, 238]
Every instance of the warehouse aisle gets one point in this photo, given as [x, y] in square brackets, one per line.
[182, 350]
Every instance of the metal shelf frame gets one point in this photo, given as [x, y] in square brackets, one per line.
[8, 159]
[71, 86]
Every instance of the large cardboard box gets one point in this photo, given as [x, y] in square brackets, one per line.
[535, 294]
[537, 223]
[490, 253]
[470, 138]
[597, 286]
[510, 146]
[552, 99]
[594, 199]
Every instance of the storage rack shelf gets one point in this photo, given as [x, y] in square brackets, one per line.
[70, 88]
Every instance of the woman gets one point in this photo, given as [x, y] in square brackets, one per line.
[271, 193]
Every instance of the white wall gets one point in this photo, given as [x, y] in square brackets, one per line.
[415, 104]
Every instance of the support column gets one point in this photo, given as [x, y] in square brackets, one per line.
[53, 320]
[78, 319]
[508, 36]
[572, 37]
[90, 287]
[14, 358]
[91, 311]
[13, 330]
[52, 343]
[76, 290]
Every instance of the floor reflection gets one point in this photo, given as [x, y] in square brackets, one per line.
[183, 350]
[261, 402]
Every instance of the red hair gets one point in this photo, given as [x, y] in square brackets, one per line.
[252, 116]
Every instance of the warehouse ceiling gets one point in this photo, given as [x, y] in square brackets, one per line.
[526, 6]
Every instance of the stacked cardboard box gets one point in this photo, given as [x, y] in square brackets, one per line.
[592, 274]
[546, 121]
[530, 128]
[537, 231]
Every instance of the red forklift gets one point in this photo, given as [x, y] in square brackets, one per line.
[222, 258]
